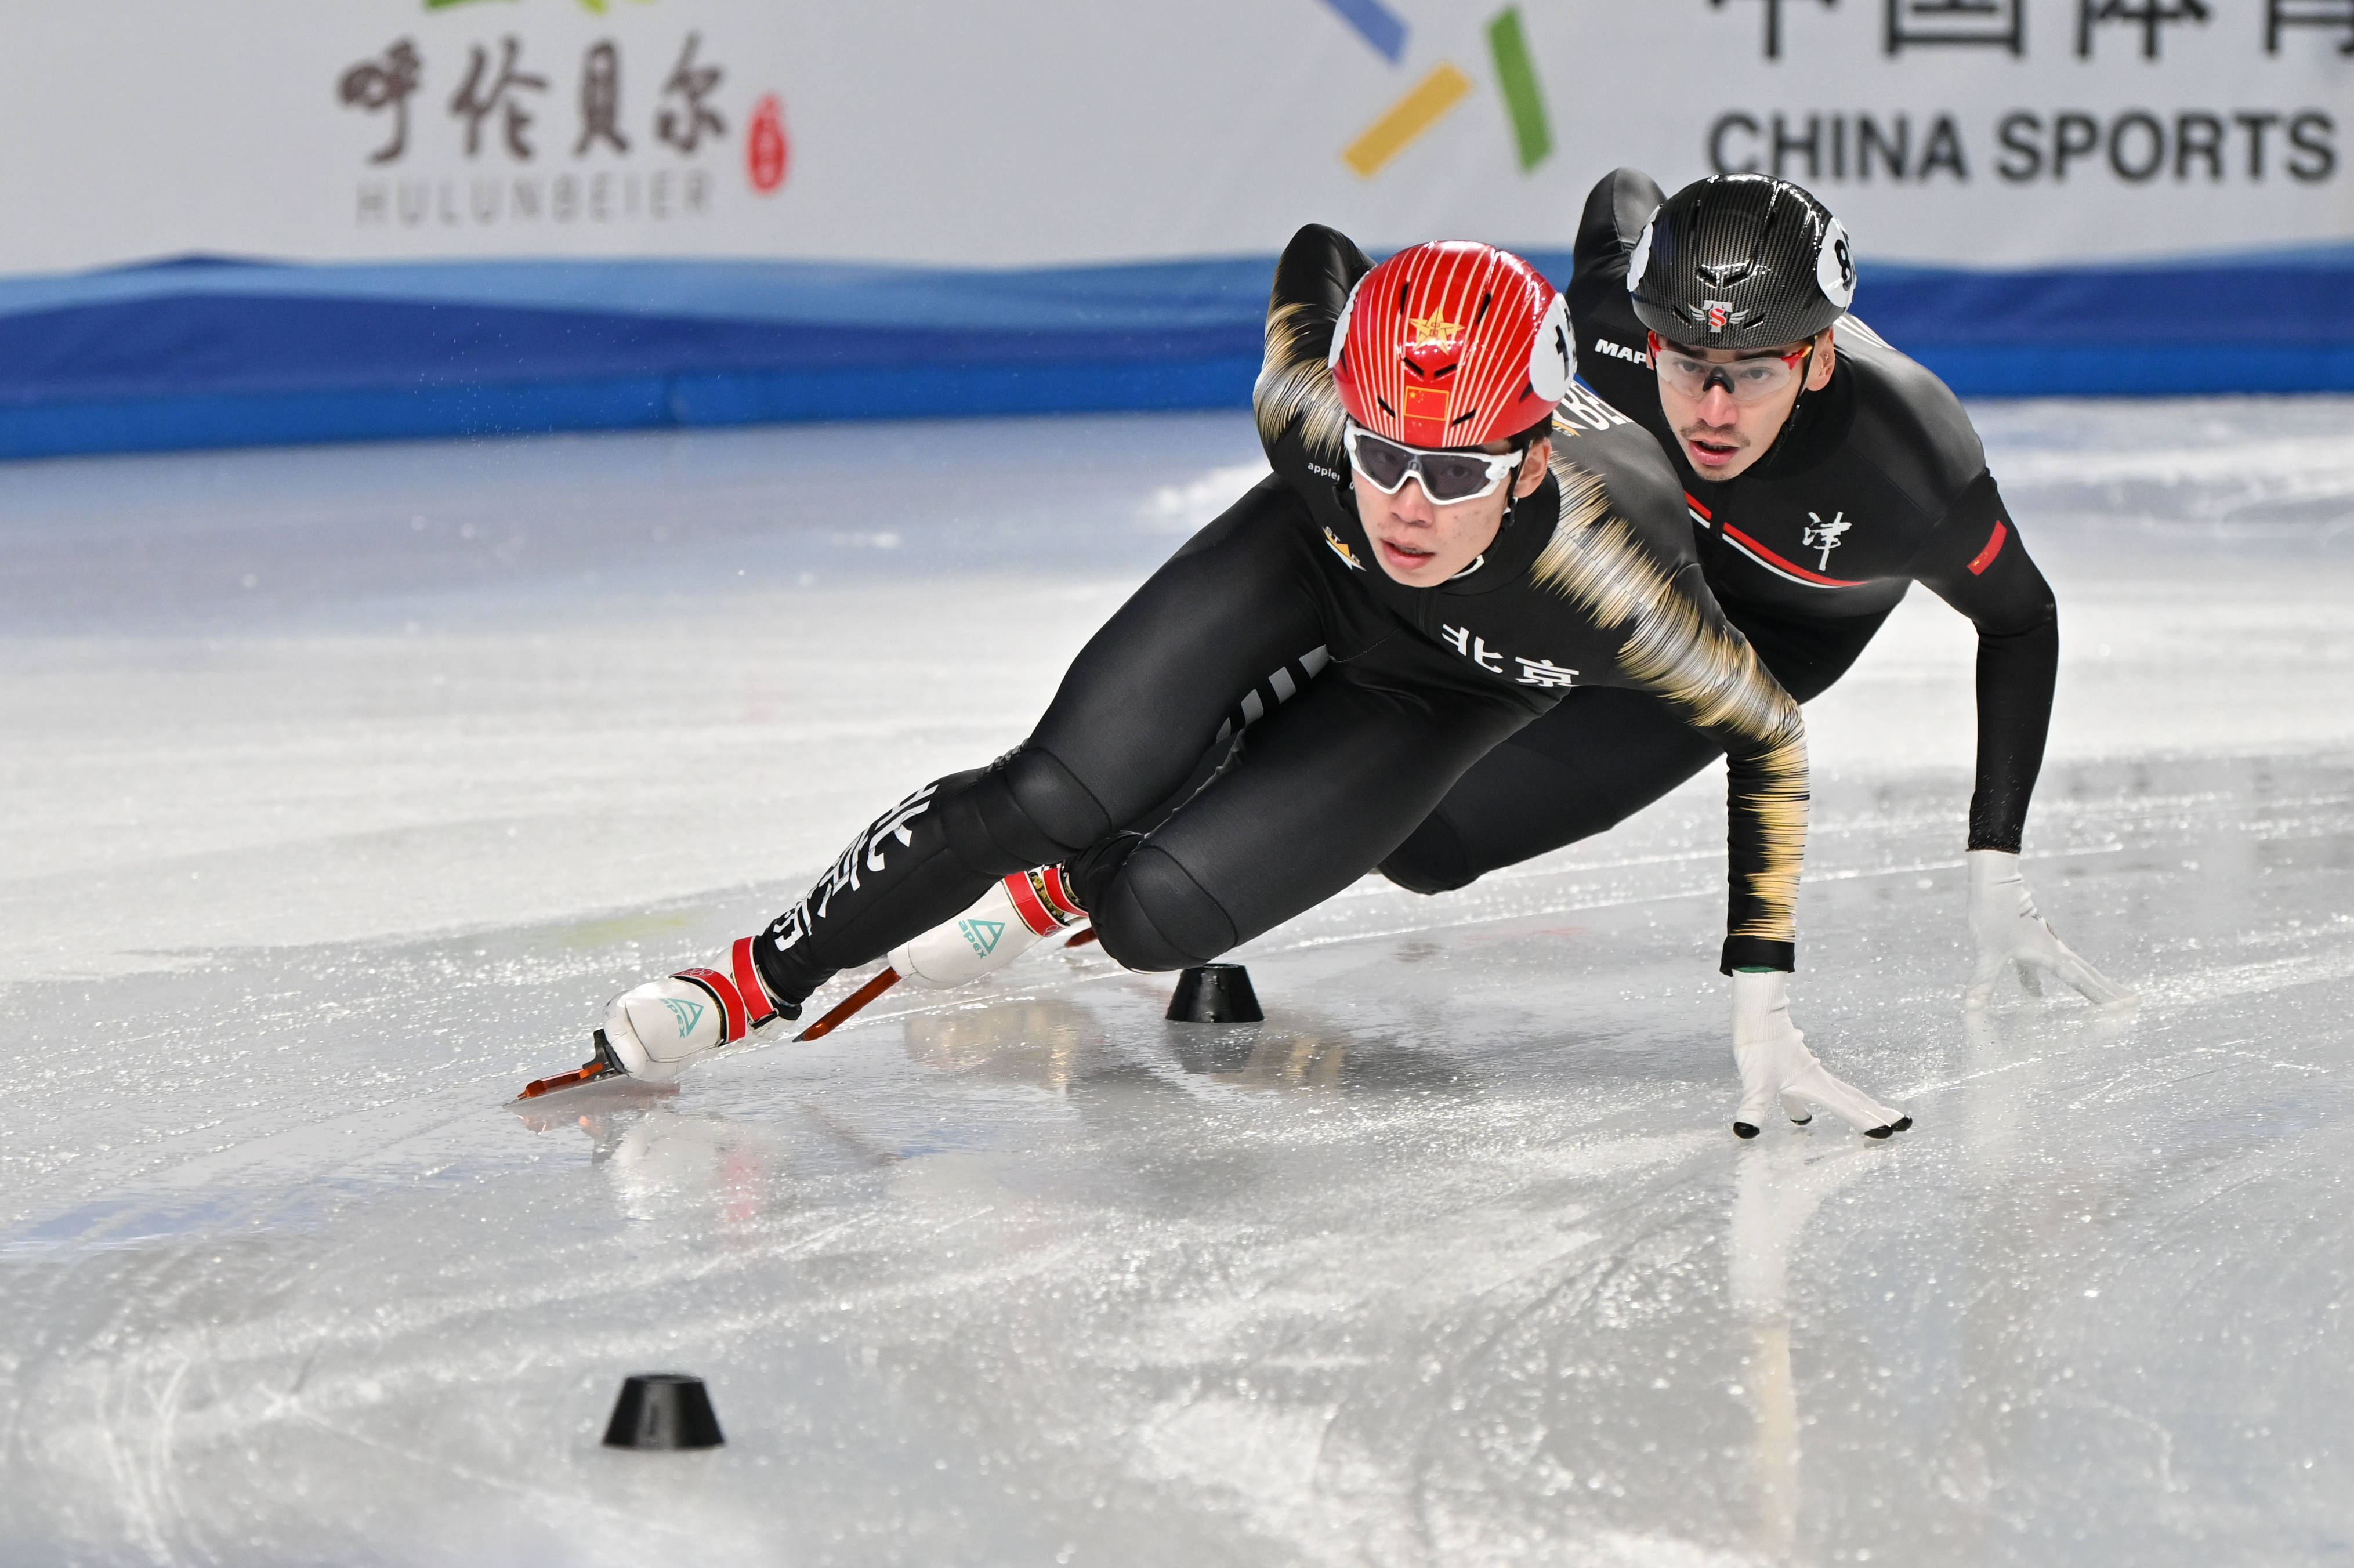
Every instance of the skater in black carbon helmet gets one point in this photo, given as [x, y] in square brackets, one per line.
[1450, 541]
[1825, 473]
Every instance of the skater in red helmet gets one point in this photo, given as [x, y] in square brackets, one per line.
[1451, 541]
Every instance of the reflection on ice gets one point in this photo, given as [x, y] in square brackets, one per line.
[1039, 1041]
[1449, 1261]
[1777, 1188]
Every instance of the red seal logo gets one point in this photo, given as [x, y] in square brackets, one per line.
[767, 154]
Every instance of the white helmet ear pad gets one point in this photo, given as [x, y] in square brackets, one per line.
[1552, 359]
[1835, 266]
[1341, 327]
[1640, 262]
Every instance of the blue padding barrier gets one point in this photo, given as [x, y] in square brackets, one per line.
[2269, 324]
[528, 407]
[214, 353]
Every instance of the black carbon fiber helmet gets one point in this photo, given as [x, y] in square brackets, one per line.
[1740, 261]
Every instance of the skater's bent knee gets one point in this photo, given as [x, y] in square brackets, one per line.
[1153, 915]
[1432, 860]
[1025, 810]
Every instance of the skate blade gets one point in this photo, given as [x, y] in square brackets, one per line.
[587, 1073]
[850, 1004]
[595, 1070]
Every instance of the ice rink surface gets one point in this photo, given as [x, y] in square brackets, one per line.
[343, 786]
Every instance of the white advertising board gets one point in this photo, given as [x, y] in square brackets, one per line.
[1024, 132]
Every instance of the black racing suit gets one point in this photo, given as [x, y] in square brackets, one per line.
[1591, 581]
[1878, 481]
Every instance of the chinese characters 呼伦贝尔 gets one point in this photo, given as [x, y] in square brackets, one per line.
[683, 117]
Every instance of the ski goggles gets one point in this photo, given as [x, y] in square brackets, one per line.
[1745, 380]
[1447, 476]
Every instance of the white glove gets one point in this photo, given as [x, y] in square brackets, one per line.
[2007, 930]
[1776, 1064]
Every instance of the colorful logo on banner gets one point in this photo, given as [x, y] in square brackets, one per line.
[1445, 86]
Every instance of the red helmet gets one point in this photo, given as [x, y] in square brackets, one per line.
[1452, 344]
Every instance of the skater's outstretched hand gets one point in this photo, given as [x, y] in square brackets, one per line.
[1776, 1066]
[2009, 932]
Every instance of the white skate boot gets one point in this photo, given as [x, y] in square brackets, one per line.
[1005, 923]
[657, 1030]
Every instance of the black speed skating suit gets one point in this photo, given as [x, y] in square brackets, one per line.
[1591, 580]
[1877, 483]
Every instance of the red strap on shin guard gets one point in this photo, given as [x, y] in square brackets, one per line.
[757, 1008]
[1058, 894]
[1029, 906]
[723, 991]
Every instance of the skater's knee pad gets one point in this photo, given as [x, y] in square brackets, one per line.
[1090, 872]
[1025, 810]
[1151, 915]
[1432, 860]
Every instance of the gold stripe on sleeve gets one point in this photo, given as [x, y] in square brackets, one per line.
[1709, 672]
[1295, 383]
